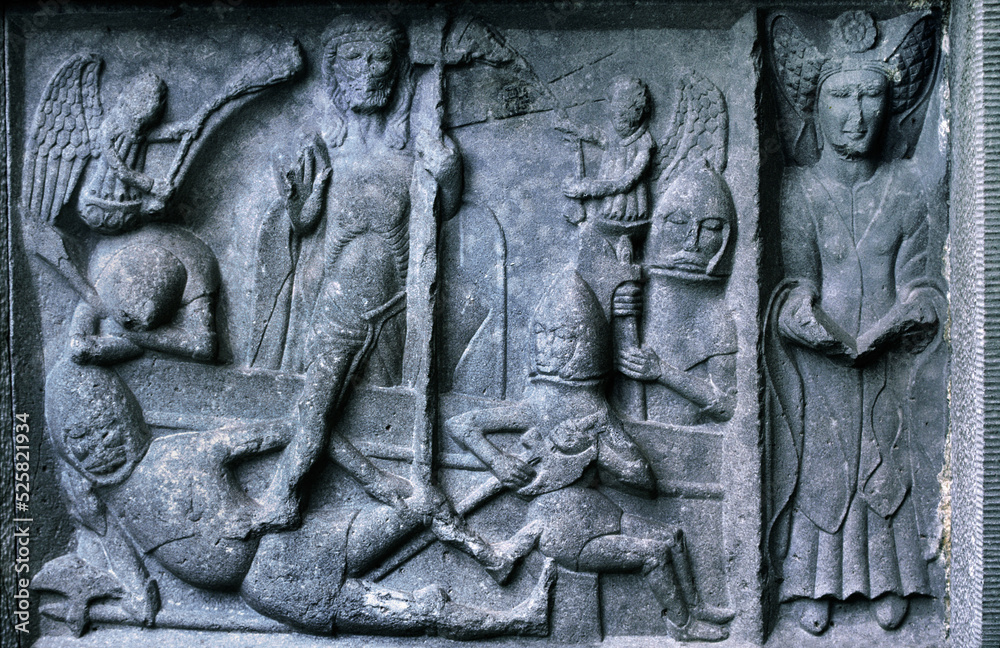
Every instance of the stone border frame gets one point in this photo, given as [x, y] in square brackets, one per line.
[974, 255]
[975, 322]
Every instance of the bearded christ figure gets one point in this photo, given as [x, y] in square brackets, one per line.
[343, 288]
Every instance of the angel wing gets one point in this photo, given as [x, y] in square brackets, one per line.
[698, 131]
[62, 138]
[913, 62]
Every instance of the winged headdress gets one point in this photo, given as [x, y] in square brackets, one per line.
[904, 49]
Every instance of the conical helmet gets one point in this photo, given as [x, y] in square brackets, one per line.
[570, 336]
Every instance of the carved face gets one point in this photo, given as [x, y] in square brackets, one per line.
[554, 346]
[627, 106]
[851, 111]
[365, 72]
[693, 222]
[101, 448]
[689, 239]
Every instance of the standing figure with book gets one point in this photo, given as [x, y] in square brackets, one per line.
[857, 308]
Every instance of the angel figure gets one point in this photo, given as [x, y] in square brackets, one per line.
[685, 354]
[85, 172]
[621, 187]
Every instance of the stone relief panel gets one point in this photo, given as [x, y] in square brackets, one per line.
[425, 323]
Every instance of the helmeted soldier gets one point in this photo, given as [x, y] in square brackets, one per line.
[573, 442]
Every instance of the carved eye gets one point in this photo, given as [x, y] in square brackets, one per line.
[840, 93]
[713, 224]
[564, 333]
[676, 218]
[349, 53]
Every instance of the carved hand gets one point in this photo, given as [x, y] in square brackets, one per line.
[303, 188]
[576, 188]
[511, 471]
[158, 195]
[627, 301]
[639, 364]
[797, 322]
[437, 156]
[102, 350]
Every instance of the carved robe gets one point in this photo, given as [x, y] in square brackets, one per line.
[624, 162]
[689, 326]
[843, 521]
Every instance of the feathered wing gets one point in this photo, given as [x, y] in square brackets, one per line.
[698, 131]
[62, 137]
[913, 64]
[796, 63]
[61, 142]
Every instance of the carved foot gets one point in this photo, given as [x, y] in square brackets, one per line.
[698, 630]
[813, 615]
[531, 617]
[275, 514]
[504, 561]
[889, 610]
[712, 614]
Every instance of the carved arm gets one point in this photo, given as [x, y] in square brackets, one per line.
[239, 440]
[470, 430]
[190, 334]
[643, 364]
[88, 346]
[622, 184]
[622, 465]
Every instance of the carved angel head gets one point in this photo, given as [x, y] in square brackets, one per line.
[139, 107]
[628, 104]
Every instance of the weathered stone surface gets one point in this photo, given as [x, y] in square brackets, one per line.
[570, 323]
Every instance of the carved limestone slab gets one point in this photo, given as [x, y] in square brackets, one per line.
[572, 323]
